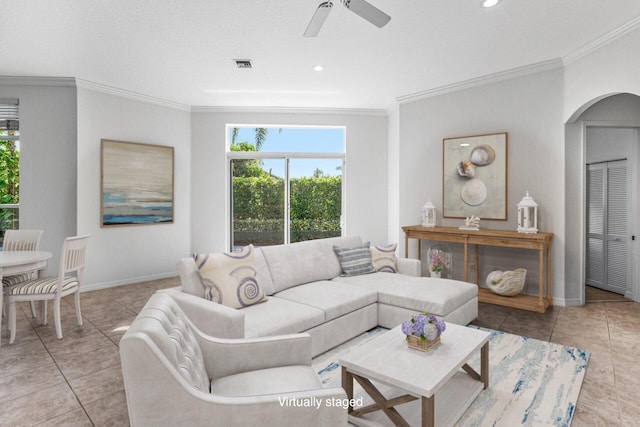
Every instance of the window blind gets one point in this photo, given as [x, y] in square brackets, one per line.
[9, 114]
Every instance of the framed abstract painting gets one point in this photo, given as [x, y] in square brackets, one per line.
[136, 183]
[474, 178]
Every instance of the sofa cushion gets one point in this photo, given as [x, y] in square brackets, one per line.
[304, 262]
[190, 277]
[335, 299]
[354, 260]
[263, 275]
[230, 278]
[283, 379]
[383, 258]
[435, 296]
[277, 316]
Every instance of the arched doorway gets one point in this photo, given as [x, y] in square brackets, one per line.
[590, 138]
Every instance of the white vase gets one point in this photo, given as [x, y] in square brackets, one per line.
[435, 274]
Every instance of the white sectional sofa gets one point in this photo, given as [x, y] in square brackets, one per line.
[306, 293]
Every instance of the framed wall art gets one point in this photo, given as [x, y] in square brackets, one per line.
[474, 178]
[136, 183]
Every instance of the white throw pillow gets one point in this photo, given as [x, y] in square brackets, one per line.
[230, 278]
[383, 258]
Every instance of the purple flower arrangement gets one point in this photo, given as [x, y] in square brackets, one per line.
[426, 327]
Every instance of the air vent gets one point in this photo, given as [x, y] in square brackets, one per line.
[243, 63]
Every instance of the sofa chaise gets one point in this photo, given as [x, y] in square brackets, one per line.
[305, 292]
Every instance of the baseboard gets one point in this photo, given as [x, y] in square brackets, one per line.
[107, 285]
[567, 302]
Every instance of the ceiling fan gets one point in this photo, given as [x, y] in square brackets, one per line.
[359, 7]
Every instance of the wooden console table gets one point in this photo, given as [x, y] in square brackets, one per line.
[503, 238]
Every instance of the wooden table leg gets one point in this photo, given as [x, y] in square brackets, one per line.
[476, 255]
[549, 275]
[428, 411]
[347, 385]
[406, 246]
[484, 365]
[541, 306]
[466, 262]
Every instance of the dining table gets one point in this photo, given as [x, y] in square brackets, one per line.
[16, 262]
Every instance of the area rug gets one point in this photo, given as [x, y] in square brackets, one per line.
[531, 382]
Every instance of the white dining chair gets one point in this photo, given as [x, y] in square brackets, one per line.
[72, 260]
[21, 240]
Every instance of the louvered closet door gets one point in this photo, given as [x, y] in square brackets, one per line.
[607, 226]
[595, 268]
[617, 227]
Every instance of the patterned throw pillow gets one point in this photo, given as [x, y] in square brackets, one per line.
[230, 278]
[355, 260]
[383, 258]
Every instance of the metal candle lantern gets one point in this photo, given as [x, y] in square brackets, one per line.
[429, 215]
[527, 215]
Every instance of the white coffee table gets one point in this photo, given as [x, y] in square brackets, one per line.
[431, 388]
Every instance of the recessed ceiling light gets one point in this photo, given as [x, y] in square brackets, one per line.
[490, 3]
[318, 67]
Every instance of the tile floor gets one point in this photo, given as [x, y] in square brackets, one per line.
[77, 381]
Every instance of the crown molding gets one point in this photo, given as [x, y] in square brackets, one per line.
[291, 110]
[602, 41]
[539, 67]
[37, 81]
[110, 90]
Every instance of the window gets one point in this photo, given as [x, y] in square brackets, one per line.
[9, 165]
[286, 184]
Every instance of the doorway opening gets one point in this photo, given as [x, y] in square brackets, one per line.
[608, 240]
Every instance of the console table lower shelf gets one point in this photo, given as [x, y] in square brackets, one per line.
[520, 301]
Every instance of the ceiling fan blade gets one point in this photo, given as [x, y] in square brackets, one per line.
[367, 11]
[318, 18]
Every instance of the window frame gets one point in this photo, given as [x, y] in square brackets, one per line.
[286, 157]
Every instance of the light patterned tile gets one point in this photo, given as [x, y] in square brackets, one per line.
[12, 363]
[111, 410]
[78, 365]
[69, 346]
[75, 418]
[70, 330]
[98, 384]
[26, 382]
[629, 311]
[41, 405]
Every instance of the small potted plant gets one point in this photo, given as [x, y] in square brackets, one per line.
[423, 331]
[439, 261]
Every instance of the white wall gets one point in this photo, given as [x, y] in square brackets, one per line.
[611, 69]
[365, 173]
[529, 108]
[605, 144]
[119, 255]
[393, 166]
[47, 157]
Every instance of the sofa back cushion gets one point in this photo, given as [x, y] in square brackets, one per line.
[304, 262]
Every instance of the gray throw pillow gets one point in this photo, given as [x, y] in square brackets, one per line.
[355, 260]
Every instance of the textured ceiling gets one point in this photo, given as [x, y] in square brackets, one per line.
[182, 51]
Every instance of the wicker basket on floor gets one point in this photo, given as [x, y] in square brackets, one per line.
[416, 343]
